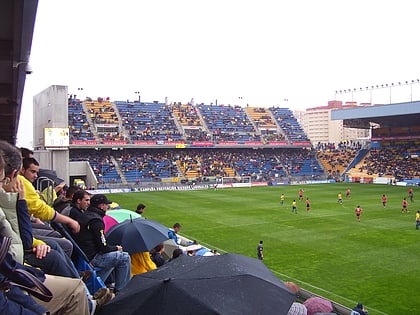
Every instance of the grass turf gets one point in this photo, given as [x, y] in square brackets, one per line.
[326, 251]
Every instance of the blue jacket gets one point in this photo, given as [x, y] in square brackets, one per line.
[15, 301]
[172, 235]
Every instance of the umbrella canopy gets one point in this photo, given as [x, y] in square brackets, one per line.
[122, 214]
[318, 305]
[137, 235]
[109, 222]
[221, 284]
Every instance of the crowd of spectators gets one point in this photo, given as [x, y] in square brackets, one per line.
[128, 122]
[398, 162]
[139, 165]
[336, 158]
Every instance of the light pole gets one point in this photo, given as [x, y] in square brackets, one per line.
[80, 89]
[137, 92]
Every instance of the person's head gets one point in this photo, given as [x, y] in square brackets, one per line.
[12, 159]
[70, 191]
[26, 153]
[177, 227]
[158, 248]
[176, 253]
[100, 201]
[140, 208]
[261, 242]
[81, 199]
[30, 169]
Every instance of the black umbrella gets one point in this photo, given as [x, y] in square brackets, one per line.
[221, 284]
[137, 235]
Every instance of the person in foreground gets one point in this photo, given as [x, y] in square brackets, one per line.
[92, 240]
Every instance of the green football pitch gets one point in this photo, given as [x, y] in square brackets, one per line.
[327, 251]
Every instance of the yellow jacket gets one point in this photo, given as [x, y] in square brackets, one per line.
[141, 262]
[36, 206]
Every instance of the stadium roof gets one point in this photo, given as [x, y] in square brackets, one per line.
[17, 20]
[391, 115]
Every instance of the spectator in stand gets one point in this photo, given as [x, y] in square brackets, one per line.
[173, 233]
[70, 294]
[176, 253]
[156, 255]
[48, 255]
[37, 207]
[92, 240]
[359, 310]
[80, 203]
[65, 200]
[140, 208]
[141, 263]
[26, 153]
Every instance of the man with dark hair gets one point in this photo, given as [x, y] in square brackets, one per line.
[79, 204]
[64, 201]
[173, 233]
[26, 153]
[37, 207]
[92, 240]
[140, 208]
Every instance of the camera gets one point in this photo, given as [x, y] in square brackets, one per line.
[28, 69]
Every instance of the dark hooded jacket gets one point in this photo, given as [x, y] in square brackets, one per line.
[91, 237]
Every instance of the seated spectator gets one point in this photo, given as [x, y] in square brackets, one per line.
[156, 255]
[65, 200]
[297, 309]
[173, 233]
[80, 202]
[48, 255]
[359, 310]
[176, 253]
[70, 294]
[140, 208]
[92, 241]
[37, 207]
[141, 263]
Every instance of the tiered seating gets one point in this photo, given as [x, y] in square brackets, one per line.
[261, 117]
[336, 161]
[146, 165]
[148, 121]
[399, 162]
[101, 111]
[289, 124]
[228, 123]
[189, 119]
[104, 118]
[101, 164]
[78, 125]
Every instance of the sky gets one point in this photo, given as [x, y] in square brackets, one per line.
[293, 54]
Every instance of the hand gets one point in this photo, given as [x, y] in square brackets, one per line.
[41, 251]
[37, 221]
